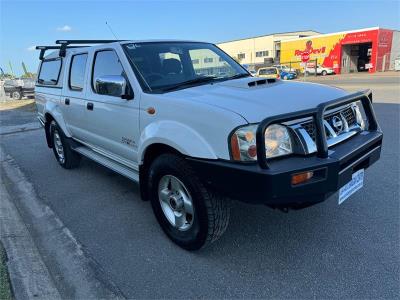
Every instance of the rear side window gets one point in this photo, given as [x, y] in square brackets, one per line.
[77, 72]
[50, 72]
[106, 63]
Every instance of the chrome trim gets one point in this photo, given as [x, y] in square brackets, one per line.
[333, 138]
[346, 125]
[330, 129]
[310, 144]
[40, 121]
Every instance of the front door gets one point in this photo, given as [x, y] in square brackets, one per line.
[112, 123]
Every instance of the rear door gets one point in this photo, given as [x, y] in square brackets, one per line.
[73, 102]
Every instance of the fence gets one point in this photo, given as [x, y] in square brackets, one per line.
[307, 69]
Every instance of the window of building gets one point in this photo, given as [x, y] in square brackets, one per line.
[262, 53]
[208, 60]
[77, 71]
[195, 61]
[106, 63]
[50, 71]
[241, 55]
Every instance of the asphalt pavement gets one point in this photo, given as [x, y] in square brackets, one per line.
[325, 251]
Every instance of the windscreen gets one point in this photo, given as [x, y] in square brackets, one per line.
[167, 66]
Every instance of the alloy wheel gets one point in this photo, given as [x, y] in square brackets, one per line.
[176, 202]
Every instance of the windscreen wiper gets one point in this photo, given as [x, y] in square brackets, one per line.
[237, 76]
[190, 82]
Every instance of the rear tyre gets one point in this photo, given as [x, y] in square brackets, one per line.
[17, 95]
[285, 77]
[63, 152]
[189, 214]
[324, 73]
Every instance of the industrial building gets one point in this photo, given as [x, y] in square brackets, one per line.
[363, 50]
[261, 50]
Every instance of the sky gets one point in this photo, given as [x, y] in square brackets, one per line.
[24, 24]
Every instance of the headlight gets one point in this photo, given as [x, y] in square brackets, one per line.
[243, 142]
[277, 141]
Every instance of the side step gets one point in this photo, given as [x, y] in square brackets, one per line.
[111, 164]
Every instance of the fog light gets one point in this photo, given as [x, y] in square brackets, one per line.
[302, 177]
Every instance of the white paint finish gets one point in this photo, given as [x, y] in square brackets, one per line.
[195, 121]
[195, 129]
[54, 110]
[74, 113]
[113, 119]
[48, 101]
[257, 103]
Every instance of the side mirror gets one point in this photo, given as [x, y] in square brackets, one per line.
[112, 85]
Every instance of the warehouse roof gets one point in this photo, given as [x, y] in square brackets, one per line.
[277, 33]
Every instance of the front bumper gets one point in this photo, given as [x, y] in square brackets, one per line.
[253, 184]
[269, 181]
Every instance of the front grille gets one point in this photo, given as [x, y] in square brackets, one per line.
[310, 128]
[346, 113]
[349, 115]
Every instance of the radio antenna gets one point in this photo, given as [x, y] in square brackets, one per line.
[109, 27]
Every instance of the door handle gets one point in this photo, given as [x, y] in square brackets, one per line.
[89, 106]
[66, 101]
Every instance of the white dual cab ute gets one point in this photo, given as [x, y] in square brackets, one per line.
[195, 129]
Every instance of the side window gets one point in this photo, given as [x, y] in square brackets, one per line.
[77, 72]
[49, 72]
[206, 62]
[106, 62]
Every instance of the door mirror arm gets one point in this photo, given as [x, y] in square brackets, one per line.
[128, 95]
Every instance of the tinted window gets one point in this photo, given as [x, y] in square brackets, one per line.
[49, 72]
[77, 72]
[106, 63]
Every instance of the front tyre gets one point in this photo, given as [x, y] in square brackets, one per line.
[63, 152]
[324, 73]
[188, 213]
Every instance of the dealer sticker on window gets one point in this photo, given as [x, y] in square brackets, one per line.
[356, 183]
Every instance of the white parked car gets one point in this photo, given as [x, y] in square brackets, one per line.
[192, 141]
[285, 68]
[321, 70]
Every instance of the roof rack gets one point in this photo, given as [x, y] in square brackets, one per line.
[65, 44]
[44, 48]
